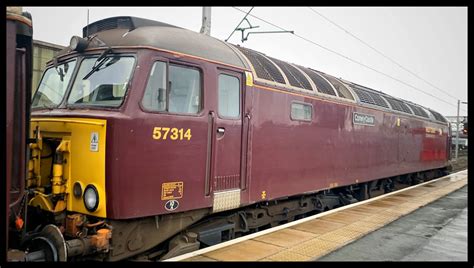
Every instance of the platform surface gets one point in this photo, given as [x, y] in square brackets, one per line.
[321, 235]
[436, 232]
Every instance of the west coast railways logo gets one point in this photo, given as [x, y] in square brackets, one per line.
[171, 205]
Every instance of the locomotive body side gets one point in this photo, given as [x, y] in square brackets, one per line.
[292, 157]
[328, 151]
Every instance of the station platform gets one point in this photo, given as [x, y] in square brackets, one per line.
[313, 237]
[435, 232]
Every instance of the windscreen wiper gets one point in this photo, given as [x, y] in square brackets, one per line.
[98, 63]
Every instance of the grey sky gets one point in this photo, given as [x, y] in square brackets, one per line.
[429, 41]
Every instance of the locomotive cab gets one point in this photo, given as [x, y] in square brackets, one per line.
[112, 126]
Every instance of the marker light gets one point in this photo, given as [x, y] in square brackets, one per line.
[77, 190]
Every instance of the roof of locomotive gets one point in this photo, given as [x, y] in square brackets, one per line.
[271, 71]
[132, 31]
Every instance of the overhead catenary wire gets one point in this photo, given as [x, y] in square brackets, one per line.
[239, 24]
[382, 54]
[348, 58]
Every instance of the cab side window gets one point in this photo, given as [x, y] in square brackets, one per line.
[155, 92]
[177, 92]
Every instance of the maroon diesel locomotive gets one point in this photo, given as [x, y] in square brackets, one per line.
[149, 141]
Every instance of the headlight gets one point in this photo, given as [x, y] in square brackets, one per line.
[91, 198]
[78, 43]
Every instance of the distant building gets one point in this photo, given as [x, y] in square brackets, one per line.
[42, 53]
[453, 121]
[462, 137]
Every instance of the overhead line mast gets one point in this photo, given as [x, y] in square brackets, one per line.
[206, 21]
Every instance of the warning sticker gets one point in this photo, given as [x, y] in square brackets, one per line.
[249, 79]
[172, 190]
[94, 142]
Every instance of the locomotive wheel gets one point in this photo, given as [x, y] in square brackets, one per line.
[48, 245]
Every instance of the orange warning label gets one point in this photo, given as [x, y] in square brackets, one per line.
[172, 190]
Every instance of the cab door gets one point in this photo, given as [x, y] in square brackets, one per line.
[226, 180]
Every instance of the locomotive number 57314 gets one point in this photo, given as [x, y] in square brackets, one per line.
[161, 133]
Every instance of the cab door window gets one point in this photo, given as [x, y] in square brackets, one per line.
[184, 90]
[229, 96]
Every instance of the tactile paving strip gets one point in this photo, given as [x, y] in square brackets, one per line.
[319, 226]
[315, 247]
[366, 210]
[286, 237]
[344, 217]
[319, 235]
[341, 236]
[287, 256]
[362, 227]
[246, 251]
